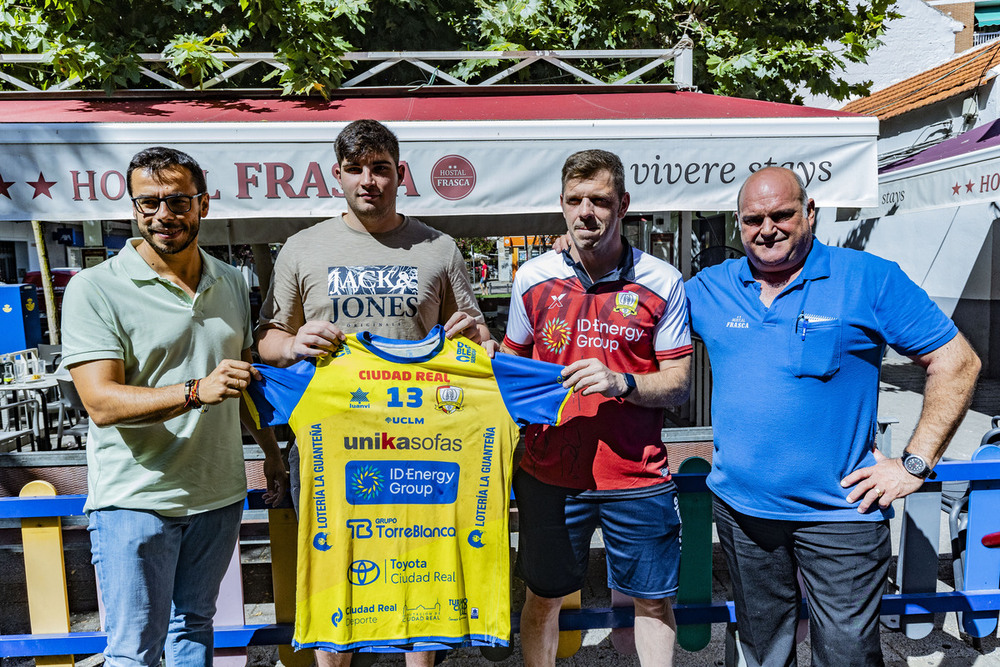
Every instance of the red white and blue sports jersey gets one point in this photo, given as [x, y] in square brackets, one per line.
[630, 320]
[406, 456]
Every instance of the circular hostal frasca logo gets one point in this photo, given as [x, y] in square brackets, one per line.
[453, 177]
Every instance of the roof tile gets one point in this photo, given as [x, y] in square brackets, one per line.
[957, 76]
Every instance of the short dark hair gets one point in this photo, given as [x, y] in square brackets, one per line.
[363, 138]
[585, 164]
[157, 159]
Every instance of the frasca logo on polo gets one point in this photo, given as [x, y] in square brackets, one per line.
[453, 177]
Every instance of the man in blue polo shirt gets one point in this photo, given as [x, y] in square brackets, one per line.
[795, 333]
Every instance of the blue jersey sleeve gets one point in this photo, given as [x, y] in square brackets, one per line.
[532, 390]
[273, 399]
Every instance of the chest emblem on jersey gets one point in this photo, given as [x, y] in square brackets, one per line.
[556, 300]
[449, 399]
[738, 322]
[555, 334]
[626, 303]
[359, 399]
[341, 351]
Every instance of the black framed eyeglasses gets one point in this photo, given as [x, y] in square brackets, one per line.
[177, 204]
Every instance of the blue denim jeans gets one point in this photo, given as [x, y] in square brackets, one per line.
[159, 579]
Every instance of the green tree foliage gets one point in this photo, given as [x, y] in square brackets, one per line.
[474, 245]
[764, 49]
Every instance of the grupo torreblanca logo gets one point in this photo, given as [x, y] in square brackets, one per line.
[386, 527]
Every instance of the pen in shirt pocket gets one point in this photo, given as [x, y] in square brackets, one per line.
[802, 321]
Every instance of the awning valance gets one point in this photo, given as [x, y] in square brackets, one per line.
[467, 157]
[987, 16]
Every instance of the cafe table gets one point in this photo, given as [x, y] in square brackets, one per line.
[40, 388]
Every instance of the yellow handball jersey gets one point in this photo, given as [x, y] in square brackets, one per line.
[406, 454]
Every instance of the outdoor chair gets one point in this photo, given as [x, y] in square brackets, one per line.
[18, 420]
[50, 355]
[72, 418]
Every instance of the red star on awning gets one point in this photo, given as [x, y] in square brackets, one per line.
[968, 186]
[955, 188]
[41, 186]
[5, 186]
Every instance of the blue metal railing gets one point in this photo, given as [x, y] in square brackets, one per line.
[583, 619]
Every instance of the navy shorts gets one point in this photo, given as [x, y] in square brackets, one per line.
[642, 539]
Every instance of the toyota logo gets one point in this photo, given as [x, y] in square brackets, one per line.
[363, 572]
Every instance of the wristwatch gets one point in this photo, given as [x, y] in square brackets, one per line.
[629, 384]
[917, 465]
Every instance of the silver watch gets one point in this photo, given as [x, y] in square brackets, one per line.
[916, 465]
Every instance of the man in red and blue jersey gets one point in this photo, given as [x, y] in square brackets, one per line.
[617, 318]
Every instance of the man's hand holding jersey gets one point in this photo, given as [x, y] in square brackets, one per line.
[667, 386]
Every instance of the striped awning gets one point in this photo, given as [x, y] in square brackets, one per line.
[987, 16]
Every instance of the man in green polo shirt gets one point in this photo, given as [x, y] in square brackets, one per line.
[157, 340]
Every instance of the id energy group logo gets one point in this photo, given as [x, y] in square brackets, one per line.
[367, 482]
[555, 334]
[401, 482]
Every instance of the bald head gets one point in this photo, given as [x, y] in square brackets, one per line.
[775, 171]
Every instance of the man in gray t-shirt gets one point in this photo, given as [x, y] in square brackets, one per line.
[370, 269]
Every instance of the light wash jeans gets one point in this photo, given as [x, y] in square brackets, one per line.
[159, 579]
